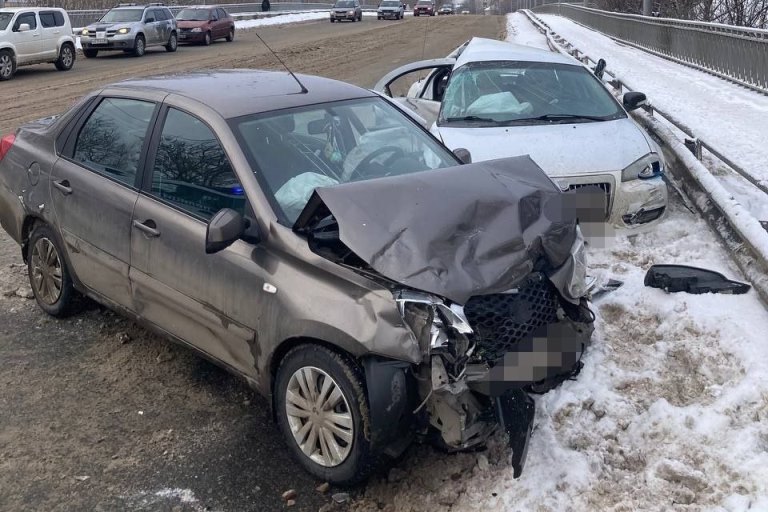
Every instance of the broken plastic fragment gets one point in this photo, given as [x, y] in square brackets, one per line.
[681, 278]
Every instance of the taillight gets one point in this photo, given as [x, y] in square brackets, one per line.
[5, 144]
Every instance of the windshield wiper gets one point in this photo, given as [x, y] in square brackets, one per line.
[562, 117]
[471, 119]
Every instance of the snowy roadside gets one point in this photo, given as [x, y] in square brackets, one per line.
[669, 413]
[728, 116]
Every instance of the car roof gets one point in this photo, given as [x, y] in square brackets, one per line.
[480, 49]
[27, 9]
[237, 92]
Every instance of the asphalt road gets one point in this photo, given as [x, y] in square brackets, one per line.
[97, 414]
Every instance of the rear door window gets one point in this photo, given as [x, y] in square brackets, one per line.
[191, 169]
[111, 140]
[51, 19]
[222, 14]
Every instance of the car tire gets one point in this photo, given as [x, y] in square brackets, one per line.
[305, 370]
[139, 46]
[207, 39]
[173, 43]
[7, 65]
[90, 54]
[66, 57]
[49, 275]
[231, 35]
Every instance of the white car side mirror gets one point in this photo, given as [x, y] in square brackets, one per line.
[24, 27]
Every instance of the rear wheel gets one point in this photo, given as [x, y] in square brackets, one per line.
[139, 46]
[173, 43]
[89, 54]
[7, 65]
[322, 411]
[66, 57]
[49, 276]
[231, 35]
[207, 39]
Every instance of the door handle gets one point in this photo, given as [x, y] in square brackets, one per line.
[63, 186]
[148, 227]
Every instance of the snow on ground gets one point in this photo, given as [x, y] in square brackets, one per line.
[669, 413]
[282, 19]
[521, 31]
[727, 116]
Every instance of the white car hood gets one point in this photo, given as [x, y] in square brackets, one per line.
[559, 149]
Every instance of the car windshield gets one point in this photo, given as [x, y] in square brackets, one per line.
[5, 19]
[193, 15]
[345, 4]
[390, 3]
[122, 15]
[509, 93]
[295, 151]
[423, 2]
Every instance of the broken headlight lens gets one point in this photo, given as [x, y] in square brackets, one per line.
[430, 318]
[645, 168]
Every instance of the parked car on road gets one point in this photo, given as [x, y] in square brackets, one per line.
[424, 8]
[346, 10]
[34, 35]
[131, 28]
[499, 99]
[445, 9]
[205, 25]
[390, 9]
[317, 241]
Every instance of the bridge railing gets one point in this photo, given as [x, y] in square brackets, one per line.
[738, 54]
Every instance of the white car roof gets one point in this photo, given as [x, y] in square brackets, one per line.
[480, 49]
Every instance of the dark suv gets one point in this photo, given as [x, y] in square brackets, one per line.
[132, 28]
[424, 8]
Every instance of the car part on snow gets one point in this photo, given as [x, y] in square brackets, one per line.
[611, 285]
[682, 278]
[515, 411]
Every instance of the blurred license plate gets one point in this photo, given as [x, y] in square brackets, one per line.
[182, 36]
[100, 41]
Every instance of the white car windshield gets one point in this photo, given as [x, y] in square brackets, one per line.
[294, 151]
[509, 93]
[122, 16]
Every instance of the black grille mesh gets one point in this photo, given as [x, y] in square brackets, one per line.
[501, 320]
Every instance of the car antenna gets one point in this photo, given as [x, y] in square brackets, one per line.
[304, 90]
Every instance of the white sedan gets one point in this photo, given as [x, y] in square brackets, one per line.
[498, 99]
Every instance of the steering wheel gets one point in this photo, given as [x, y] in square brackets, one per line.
[365, 162]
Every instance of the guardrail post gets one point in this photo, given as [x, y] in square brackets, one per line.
[694, 146]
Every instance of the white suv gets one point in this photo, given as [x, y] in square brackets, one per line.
[33, 36]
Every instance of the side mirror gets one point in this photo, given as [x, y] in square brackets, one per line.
[633, 100]
[226, 227]
[24, 27]
[463, 154]
[316, 126]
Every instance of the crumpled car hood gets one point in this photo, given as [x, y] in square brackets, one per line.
[456, 232]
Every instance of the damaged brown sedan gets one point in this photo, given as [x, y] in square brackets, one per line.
[315, 240]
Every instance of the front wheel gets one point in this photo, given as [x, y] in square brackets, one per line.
[66, 58]
[139, 46]
[90, 54]
[173, 43]
[48, 273]
[207, 39]
[231, 35]
[322, 411]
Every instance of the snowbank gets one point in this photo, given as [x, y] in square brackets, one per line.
[282, 19]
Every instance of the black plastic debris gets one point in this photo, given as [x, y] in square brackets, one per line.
[611, 285]
[681, 278]
[515, 411]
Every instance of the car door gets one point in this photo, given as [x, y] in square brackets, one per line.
[94, 187]
[423, 95]
[224, 23]
[28, 43]
[211, 301]
[151, 27]
[51, 23]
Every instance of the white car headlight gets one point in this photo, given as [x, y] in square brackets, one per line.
[644, 168]
[84, 32]
[196, 29]
[351, 12]
[123, 30]
[430, 319]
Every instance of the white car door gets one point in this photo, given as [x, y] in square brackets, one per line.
[51, 24]
[28, 43]
[425, 92]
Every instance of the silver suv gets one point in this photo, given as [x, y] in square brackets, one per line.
[132, 28]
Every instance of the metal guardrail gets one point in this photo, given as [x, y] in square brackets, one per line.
[735, 53]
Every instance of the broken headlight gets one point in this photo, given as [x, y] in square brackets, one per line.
[644, 168]
[434, 323]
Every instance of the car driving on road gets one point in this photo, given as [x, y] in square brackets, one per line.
[310, 237]
[131, 28]
[499, 99]
[390, 9]
[346, 10]
[424, 8]
[445, 9]
[33, 35]
[205, 25]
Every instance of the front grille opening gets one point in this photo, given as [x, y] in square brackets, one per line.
[501, 320]
[591, 187]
